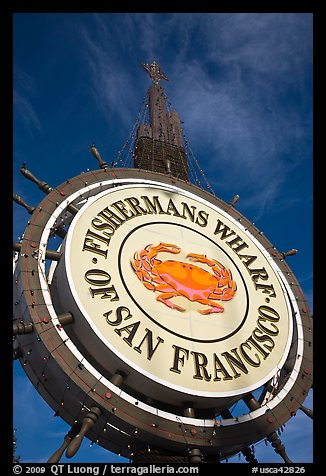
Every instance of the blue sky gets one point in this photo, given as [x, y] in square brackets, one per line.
[242, 84]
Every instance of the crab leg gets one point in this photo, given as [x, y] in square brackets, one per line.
[167, 293]
[217, 267]
[225, 294]
[215, 306]
[165, 299]
[168, 247]
[224, 275]
[138, 268]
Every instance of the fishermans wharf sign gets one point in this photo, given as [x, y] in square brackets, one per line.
[170, 288]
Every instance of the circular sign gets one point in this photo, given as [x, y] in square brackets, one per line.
[169, 287]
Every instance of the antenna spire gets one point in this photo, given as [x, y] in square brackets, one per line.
[155, 72]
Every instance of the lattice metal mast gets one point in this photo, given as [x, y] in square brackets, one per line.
[159, 146]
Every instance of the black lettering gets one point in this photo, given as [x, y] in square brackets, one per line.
[235, 361]
[118, 315]
[130, 330]
[121, 208]
[186, 208]
[269, 313]
[202, 217]
[219, 367]
[149, 339]
[152, 207]
[256, 345]
[200, 366]
[258, 274]
[97, 272]
[179, 359]
[267, 289]
[247, 357]
[99, 225]
[111, 217]
[247, 259]
[263, 338]
[225, 231]
[265, 329]
[133, 202]
[111, 220]
[90, 245]
[237, 241]
[106, 293]
[171, 207]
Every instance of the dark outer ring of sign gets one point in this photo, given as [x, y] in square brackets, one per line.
[150, 317]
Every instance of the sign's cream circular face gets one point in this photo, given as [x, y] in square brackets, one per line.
[177, 290]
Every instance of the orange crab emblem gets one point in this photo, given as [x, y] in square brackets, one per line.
[175, 278]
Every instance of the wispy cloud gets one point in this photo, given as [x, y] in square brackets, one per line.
[249, 112]
[24, 111]
[27, 405]
[23, 94]
[242, 98]
[112, 85]
[56, 434]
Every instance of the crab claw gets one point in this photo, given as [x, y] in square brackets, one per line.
[197, 257]
[170, 248]
[211, 310]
